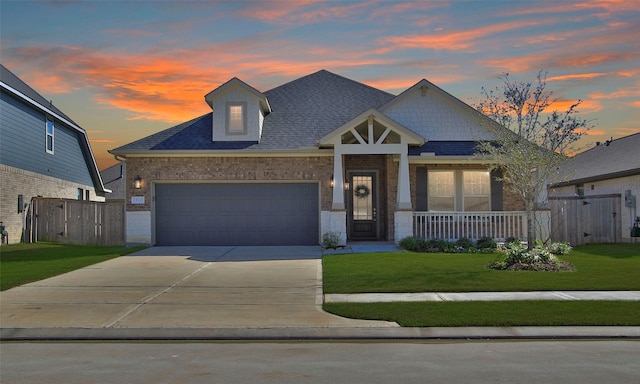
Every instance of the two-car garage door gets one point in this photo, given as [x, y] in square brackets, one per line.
[237, 214]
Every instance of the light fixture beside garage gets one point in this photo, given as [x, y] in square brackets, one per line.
[137, 182]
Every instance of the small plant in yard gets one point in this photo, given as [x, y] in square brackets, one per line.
[486, 243]
[331, 240]
[418, 244]
[465, 244]
[560, 248]
[518, 257]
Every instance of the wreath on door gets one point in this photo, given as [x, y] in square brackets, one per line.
[361, 191]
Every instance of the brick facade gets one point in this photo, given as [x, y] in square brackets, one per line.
[232, 169]
[275, 169]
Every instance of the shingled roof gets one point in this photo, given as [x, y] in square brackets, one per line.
[611, 159]
[13, 81]
[303, 111]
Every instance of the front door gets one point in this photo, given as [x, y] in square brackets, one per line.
[363, 206]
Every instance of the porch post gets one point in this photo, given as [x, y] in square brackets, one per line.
[338, 180]
[404, 187]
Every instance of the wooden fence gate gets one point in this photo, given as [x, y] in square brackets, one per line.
[584, 220]
[77, 222]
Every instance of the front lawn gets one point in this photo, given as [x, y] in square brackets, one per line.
[25, 263]
[598, 267]
[494, 313]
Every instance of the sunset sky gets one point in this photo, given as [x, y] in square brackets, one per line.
[126, 69]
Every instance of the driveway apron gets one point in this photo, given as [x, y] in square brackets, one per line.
[182, 287]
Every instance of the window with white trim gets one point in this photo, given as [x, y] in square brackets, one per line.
[236, 118]
[459, 190]
[441, 186]
[477, 190]
[49, 128]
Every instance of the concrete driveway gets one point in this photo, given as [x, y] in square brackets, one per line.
[182, 287]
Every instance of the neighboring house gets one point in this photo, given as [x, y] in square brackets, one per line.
[42, 153]
[604, 184]
[113, 178]
[320, 154]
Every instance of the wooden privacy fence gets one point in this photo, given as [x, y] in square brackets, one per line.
[498, 225]
[583, 220]
[77, 222]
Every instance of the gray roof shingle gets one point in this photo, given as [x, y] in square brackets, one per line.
[303, 111]
[611, 159]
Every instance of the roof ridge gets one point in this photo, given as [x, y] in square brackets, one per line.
[335, 75]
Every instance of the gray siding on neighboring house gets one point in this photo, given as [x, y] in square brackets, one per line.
[22, 144]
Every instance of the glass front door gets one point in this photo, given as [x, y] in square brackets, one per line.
[363, 206]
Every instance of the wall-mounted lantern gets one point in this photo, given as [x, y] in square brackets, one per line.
[137, 182]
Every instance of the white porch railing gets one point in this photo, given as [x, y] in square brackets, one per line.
[451, 226]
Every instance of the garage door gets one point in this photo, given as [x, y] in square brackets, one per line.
[236, 214]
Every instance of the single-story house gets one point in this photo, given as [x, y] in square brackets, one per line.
[43, 153]
[595, 199]
[320, 154]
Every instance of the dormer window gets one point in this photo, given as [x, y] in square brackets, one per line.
[236, 118]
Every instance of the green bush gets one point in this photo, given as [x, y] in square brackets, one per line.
[417, 244]
[560, 248]
[409, 243]
[331, 240]
[486, 243]
[465, 243]
[518, 257]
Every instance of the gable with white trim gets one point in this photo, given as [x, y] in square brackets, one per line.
[436, 115]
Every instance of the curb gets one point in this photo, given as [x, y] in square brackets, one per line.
[322, 333]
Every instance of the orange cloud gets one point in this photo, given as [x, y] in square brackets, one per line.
[617, 94]
[300, 12]
[627, 131]
[171, 86]
[595, 132]
[585, 107]
[576, 76]
[459, 40]
[606, 8]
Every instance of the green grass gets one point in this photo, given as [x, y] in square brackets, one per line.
[25, 263]
[598, 267]
[495, 313]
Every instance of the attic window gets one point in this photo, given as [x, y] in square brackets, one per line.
[236, 118]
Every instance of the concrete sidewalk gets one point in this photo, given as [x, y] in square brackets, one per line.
[482, 296]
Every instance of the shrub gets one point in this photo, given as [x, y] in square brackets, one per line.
[331, 240]
[417, 244]
[410, 243]
[510, 240]
[560, 248]
[465, 243]
[486, 243]
[537, 259]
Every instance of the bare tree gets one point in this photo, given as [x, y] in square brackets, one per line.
[536, 140]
